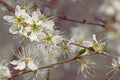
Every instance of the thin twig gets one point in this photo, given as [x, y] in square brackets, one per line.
[45, 67]
[91, 49]
[48, 75]
[10, 8]
[78, 21]
[89, 11]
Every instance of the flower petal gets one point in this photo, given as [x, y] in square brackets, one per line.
[17, 11]
[32, 66]
[9, 19]
[21, 65]
[114, 63]
[14, 62]
[14, 29]
[94, 38]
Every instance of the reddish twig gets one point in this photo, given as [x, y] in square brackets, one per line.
[89, 11]
[10, 8]
[83, 21]
[45, 67]
[48, 75]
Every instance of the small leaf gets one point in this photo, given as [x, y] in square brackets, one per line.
[104, 49]
[82, 51]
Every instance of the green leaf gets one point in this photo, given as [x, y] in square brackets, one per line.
[104, 49]
[82, 51]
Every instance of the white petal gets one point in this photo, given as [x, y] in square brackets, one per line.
[32, 66]
[57, 39]
[7, 73]
[33, 36]
[94, 38]
[9, 19]
[35, 16]
[49, 24]
[25, 31]
[82, 68]
[28, 19]
[21, 65]
[14, 29]
[14, 62]
[17, 11]
[114, 63]
[4, 72]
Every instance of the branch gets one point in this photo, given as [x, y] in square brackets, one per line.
[83, 21]
[10, 8]
[67, 60]
[91, 49]
[89, 10]
[48, 75]
[45, 67]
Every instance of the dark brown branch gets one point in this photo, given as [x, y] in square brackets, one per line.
[11, 9]
[45, 67]
[89, 11]
[83, 21]
[48, 75]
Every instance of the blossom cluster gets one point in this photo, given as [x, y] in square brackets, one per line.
[46, 44]
[4, 71]
[39, 29]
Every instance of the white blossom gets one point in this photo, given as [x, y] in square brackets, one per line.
[16, 21]
[26, 60]
[4, 72]
[115, 69]
[69, 49]
[110, 7]
[86, 67]
[32, 25]
[95, 44]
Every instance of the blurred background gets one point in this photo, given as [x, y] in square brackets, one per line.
[88, 10]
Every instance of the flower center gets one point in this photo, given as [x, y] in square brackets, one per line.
[65, 47]
[48, 39]
[34, 27]
[118, 67]
[96, 46]
[26, 60]
[19, 21]
[84, 64]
